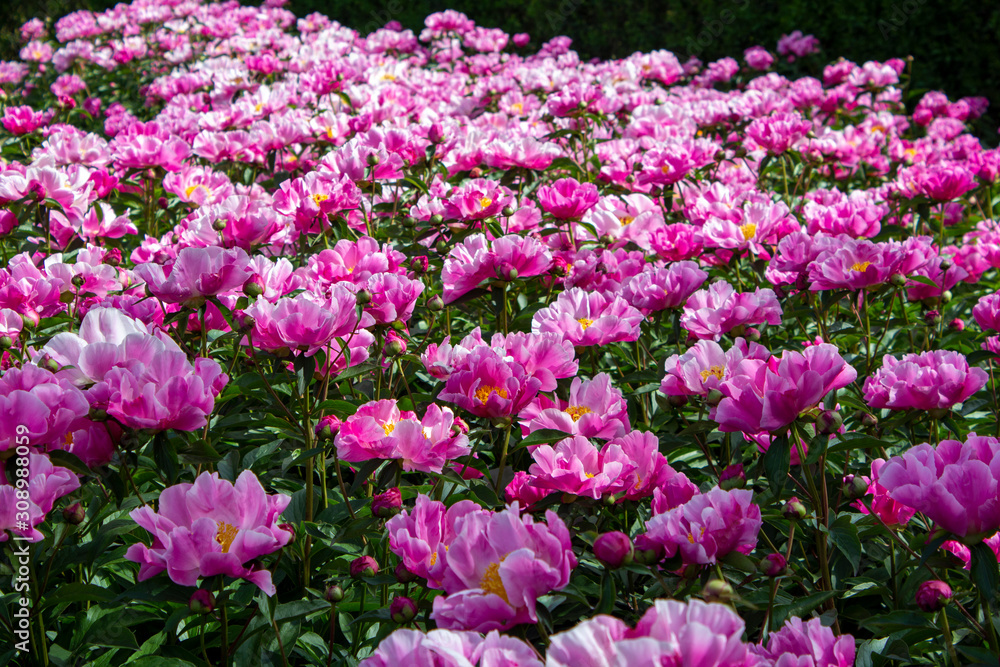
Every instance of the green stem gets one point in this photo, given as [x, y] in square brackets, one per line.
[949, 644]
[503, 458]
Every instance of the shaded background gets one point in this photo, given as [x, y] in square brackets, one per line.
[954, 43]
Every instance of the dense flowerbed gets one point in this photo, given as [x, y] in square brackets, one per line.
[322, 348]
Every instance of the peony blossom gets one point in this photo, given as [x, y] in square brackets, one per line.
[935, 380]
[589, 318]
[712, 312]
[708, 526]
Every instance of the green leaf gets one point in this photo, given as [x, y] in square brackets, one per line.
[544, 436]
[844, 536]
[76, 592]
[776, 461]
[985, 570]
[69, 461]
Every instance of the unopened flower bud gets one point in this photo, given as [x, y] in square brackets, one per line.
[957, 324]
[441, 247]
[752, 334]
[475, 172]
[677, 401]
[437, 219]
[219, 225]
[364, 566]
[403, 575]
[254, 286]
[933, 595]
[372, 159]
[507, 211]
[327, 427]
[113, 257]
[733, 477]
[288, 528]
[945, 264]
[460, 426]
[419, 264]
[855, 487]
[78, 281]
[613, 549]
[385, 505]
[435, 303]
[162, 203]
[773, 565]
[202, 602]
[946, 296]
[97, 415]
[74, 514]
[402, 609]
[646, 551]
[395, 345]
[828, 421]
[714, 397]
[740, 152]
[6, 342]
[363, 297]
[717, 590]
[720, 156]
[506, 272]
[333, 593]
[932, 317]
[794, 510]
[897, 280]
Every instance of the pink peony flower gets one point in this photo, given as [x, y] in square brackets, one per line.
[567, 198]
[954, 484]
[659, 289]
[770, 395]
[589, 318]
[46, 484]
[935, 380]
[987, 312]
[305, 322]
[49, 407]
[489, 386]
[705, 365]
[669, 633]
[497, 566]
[809, 642]
[452, 648]
[708, 526]
[197, 273]
[595, 409]
[887, 509]
[420, 536]
[577, 467]
[712, 312]
[211, 527]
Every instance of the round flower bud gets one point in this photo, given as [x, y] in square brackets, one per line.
[506, 272]
[395, 345]
[714, 397]
[364, 566]
[78, 281]
[956, 324]
[162, 203]
[507, 211]
[897, 280]
[647, 552]
[327, 427]
[437, 219]
[202, 602]
[855, 487]
[828, 421]
[794, 510]
[372, 159]
[933, 595]
[733, 477]
[435, 303]
[613, 549]
[677, 401]
[773, 565]
[74, 514]
[385, 505]
[113, 257]
[403, 575]
[6, 342]
[402, 609]
[363, 297]
[717, 590]
[288, 528]
[254, 286]
[333, 593]
[219, 225]
[419, 264]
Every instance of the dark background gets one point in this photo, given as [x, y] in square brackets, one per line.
[954, 43]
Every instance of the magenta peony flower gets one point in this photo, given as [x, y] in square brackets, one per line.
[393, 297]
[567, 198]
[211, 527]
[589, 318]
[496, 568]
[305, 322]
[659, 289]
[954, 484]
[809, 642]
[46, 484]
[933, 380]
[705, 365]
[595, 409]
[709, 313]
[197, 273]
[489, 386]
[379, 430]
[708, 526]
[577, 467]
[779, 132]
[452, 648]
[768, 396]
[887, 509]
[49, 407]
[669, 633]
[987, 312]
[933, 595]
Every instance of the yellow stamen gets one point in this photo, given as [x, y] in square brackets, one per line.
[483, 392]
[585, 322]
[485, 202]
[626, 220]
[665, 169]
[577, 411]
[748, 230]
[717, 371]
[225, 536]
[319, 198]
[388, 77]
[491, 582]
[517, 108]
[189, 190]
[388, 427]
[258, 107]
[860, 266]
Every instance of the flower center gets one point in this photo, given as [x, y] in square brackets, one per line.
[485, 202]
[258, 107]
[388, 427]
[190, 189]
[319, 198]
[665, 169]
[626, 220]
[585, 322]
[491, 582]
[860, 266]
[748, 230]
[691, 537]
[577, 411]
[388, 77]
[717, 371]
[517, 108]
[484, 391]
[225, 536]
